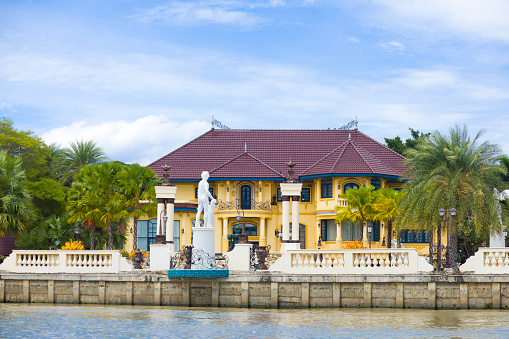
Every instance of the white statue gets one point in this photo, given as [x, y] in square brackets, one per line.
[209, 222]
[203, 199]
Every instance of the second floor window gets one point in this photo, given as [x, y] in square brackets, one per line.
[245, 197]
[306, 195]
[326, 191]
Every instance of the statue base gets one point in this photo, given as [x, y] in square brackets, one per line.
[203, 239]
[160, 256]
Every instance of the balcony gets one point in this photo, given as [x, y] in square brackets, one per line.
[236, 205]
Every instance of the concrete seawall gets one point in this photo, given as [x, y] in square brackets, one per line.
[261, 290]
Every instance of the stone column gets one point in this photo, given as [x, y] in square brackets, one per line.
[295, 219]
[263, 238]
[170, 212]
[224, 246]
[339, 240]
[365, 234]
[286, 219]
[160, 209]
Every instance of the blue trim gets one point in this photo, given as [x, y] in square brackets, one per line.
[186, 209]
[349, 175]
[231, 179]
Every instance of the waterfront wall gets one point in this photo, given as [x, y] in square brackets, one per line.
[261, 290]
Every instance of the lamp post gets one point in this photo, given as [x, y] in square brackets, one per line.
[242, 236]
[453, 256]
[370, 229]
[161, 238]
[441, 213]
[77, 232]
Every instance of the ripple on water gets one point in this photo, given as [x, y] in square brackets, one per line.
[94, 321]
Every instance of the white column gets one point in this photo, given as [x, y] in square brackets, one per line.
[263, 239]
[365, 233]
[295, 218]
[339, 240]
[286, 219]
[170, 212]
[160, 208]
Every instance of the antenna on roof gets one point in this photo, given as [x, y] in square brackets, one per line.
[349, 136]
[245, 147]
[355, 128]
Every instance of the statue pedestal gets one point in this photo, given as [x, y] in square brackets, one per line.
[497, 240]
[160, 256]
[203, 239]
[239, 259]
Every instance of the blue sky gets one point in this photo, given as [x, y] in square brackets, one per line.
[142, 78]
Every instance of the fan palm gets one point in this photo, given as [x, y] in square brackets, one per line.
[452, 171]
[137, 186]
[359, 209]
[386, 208]
[15, 204]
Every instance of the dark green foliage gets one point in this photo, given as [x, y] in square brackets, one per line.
[52, 233]
[26, 146]
[48, 196]
[16, 209]
[397, 145]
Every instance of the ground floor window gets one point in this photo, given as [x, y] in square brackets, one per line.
[147, 231]
[414, 236]
[329, 230]
[302, 234]
[350, 231]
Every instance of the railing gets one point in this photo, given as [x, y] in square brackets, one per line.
[59, 261]
[362, 261]
[488, 260]
[235, 205]
[342, 202]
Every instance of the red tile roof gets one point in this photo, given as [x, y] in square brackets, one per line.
[263, 154]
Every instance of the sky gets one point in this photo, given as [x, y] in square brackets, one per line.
[142, 78]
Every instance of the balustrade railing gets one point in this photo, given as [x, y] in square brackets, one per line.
[235, 205]
[60, 261]
[488, 260]
[362, 261]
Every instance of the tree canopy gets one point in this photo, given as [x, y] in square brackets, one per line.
[26, 146]
[397, 145]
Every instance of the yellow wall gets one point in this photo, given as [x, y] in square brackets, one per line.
[311, 213]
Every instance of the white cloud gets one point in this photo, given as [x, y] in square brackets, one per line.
[200, 13]
[392, 46]
[144, 140]
[353, 39]
[467, 19]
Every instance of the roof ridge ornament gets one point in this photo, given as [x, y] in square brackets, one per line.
[352, 125]
[218, 124]
[291, 172]
[166, 177]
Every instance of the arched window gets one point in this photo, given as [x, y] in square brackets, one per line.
[349, 186]
[245, 197]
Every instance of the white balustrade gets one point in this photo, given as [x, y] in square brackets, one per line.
[60, 261]
[488, 261]
[358, 261]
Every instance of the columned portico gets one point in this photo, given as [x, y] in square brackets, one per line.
[290, 189]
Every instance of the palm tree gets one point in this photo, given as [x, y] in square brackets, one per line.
[94, 199]
[80, 154]
[359, 207]
[15, 203]
[137, 186]
[453, 171]
[386, 208]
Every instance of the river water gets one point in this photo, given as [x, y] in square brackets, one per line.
[93, 321]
